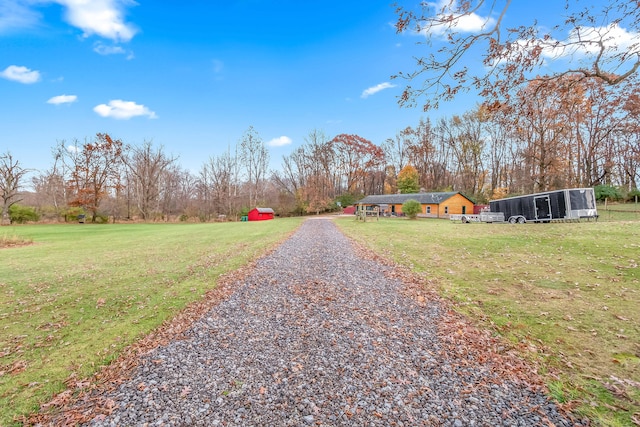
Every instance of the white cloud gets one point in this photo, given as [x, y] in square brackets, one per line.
[449, 18]
[613, 37]
[14, 15]
[73, 149]
[375, 89]
[123, 110]
[20, 74]
[580, 43]
[280, 141]
[62, 99]
[104, 18]
[472, 23]
[103, 49]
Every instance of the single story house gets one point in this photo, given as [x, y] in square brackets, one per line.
[260, 214]
[434, 205]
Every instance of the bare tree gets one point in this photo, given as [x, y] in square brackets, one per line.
[219, 174]
[146, 165]
[50, 187]
[356, 159]
[178, 191]
[255, 158]
[11, 175]
[500, 151]
[464, 137]
[396, 150]
[49, 191]
[428, 154]
[457, 30]
[629, 143]
[308, 174]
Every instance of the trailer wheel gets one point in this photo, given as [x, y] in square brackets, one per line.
[521, 220]
[513, 220]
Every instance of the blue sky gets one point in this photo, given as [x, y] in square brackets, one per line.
[192, 76]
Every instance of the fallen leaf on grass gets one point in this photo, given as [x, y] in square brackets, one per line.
[624, 319]
[60, 400]
[17, 367]
[101, 302]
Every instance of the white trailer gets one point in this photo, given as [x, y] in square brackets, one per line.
[484, 216]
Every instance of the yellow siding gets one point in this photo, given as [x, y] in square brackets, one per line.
[455, 204]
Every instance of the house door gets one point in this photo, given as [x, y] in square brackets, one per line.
[543, 208]
[464, 210]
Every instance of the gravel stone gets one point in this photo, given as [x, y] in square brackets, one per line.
[318, 336]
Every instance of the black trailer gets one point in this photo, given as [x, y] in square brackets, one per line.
[570, 204]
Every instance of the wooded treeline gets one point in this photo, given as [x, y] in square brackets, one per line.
[569, 132]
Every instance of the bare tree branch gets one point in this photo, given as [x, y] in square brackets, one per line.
[604, 43]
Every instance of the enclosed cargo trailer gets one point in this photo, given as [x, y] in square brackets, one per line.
[570, 204]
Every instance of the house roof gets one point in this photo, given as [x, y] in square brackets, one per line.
[264, 210]
[398, 199]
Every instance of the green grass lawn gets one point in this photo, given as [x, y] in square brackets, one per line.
[74, 297]
[566, 294]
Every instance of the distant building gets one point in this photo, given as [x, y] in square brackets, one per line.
[260, 214]
[434, 205]
[349, 210]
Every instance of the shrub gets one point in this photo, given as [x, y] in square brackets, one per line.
[346, 199]
[102, 219]
[411, 208]
[72, 213]
[20, 214]
[633, 194]
[603, 192]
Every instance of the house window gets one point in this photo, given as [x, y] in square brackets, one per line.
[446, 210]
[428, 209]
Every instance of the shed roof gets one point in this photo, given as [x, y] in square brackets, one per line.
[423, 198]
[264, 210]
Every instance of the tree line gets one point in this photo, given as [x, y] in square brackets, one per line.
[569, 132]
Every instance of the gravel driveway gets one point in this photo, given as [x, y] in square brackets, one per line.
[317, 335]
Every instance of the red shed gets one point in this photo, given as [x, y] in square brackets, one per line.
[349, 210]
[260, 214]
